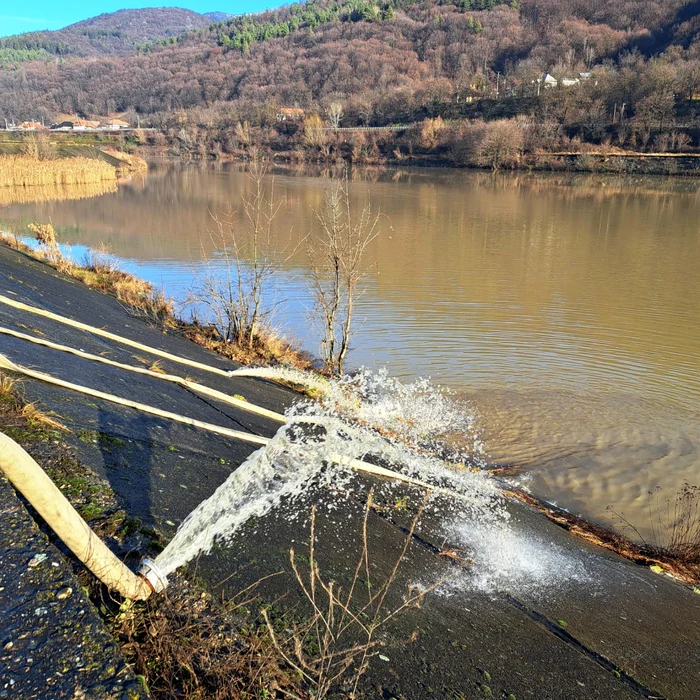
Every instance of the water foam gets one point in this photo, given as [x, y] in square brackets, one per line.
[319, 441]
[515, 562]
[417, 412]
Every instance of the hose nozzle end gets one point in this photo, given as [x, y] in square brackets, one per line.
[155, 578]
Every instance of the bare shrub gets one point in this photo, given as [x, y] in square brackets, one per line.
[242, 133]
[661, 143]
[315, 135]
[334, 113]
[184, 644]
[100, 260]
[246, 258]
[430, 132]
[501, 144]
[332, 648]
[674, 524]
[46, 237]
[336, 264]
[680, 141]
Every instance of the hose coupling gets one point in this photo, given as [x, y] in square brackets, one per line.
[155, 578]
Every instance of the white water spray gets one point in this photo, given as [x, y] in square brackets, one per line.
[317, 443]
[288, 375]
[514, 561]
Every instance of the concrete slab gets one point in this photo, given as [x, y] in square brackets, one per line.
[53, 643]
[612, 630]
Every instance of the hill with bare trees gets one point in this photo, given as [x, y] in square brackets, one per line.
[593, 70]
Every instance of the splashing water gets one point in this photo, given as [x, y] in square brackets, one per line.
[514, 562]
[418, 412]
[318, 435]
[310, 380]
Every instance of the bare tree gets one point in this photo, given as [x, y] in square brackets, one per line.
[336, 257]
[315, 135]
[335, 112]
[245, 259]
[501, 144]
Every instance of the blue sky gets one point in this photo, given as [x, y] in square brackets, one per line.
[18, 17]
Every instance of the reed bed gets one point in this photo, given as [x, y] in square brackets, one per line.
[28, 171]
[55, 193]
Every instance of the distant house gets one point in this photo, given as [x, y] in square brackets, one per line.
[62, 126]
[585, 76]
[115, 124]
[470, 95]
[290, 114]
[569, 82]
[31, 126]
[547, 80]
[85, 124]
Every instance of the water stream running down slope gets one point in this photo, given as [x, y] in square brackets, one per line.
[370, 417]
[375, 418]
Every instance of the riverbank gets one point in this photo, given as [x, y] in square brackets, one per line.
[502, 144]
[555, 600]
[99, 272]
[612, 629]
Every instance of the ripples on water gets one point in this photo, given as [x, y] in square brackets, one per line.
[566, 309]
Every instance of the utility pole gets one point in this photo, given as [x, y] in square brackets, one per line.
[498, 80]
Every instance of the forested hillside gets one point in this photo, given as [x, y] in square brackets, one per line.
[393, 61]
[114, 34]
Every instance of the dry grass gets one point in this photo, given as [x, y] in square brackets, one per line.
[674, 525]
[28, 171]
[267, 349]
[16, 407]
[185, 644]
[99, 270]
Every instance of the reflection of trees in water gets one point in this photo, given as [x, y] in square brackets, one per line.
[54, 193]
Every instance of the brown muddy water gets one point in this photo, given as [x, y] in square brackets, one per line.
[565, 308]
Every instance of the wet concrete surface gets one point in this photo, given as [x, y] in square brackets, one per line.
[53, 643]
[566, 620]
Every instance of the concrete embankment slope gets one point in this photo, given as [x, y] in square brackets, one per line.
[539, 614]
[53, 643]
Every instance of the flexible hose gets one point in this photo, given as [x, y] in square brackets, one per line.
[6, 363]
[112, 336]
[356, 464]
[34, 484]
[194, 386]
[317, 382]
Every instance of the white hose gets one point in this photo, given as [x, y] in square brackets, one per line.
[356, 464]
[6, 363]
[194, 386]
[34, 484]
[112, 336]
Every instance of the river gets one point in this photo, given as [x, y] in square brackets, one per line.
[564, 308]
